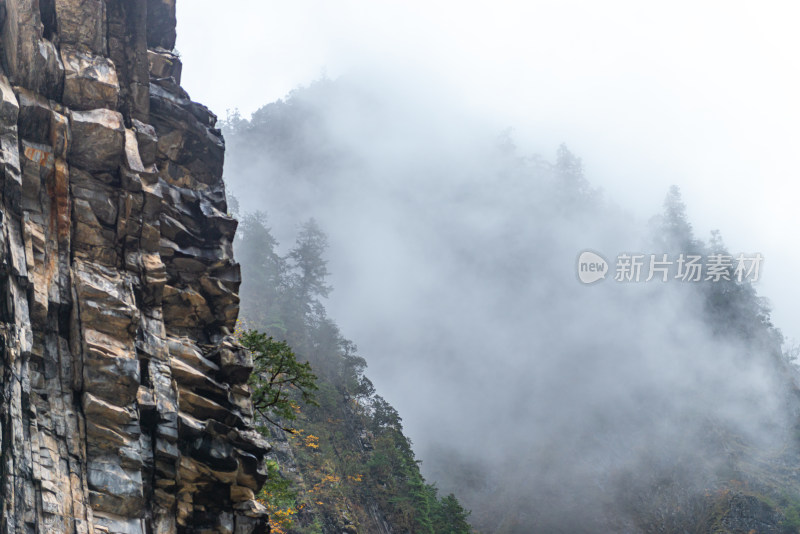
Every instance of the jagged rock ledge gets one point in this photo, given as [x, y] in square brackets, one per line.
[124, 405]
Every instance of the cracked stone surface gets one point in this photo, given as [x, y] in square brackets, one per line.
[125, 407]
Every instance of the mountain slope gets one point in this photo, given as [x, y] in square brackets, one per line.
[543, 404]
[349, 466]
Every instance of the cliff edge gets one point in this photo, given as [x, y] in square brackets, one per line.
[124, 404]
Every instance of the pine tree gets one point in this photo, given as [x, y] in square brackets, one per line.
[263, 274]
[450, 517]
[306, 283]
[674, 231]
[569, 173]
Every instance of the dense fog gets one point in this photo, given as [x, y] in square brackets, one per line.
[542, 402]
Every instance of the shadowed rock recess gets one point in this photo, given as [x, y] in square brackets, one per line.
[124, 403]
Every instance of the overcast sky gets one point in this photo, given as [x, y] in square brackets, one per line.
[702, 95]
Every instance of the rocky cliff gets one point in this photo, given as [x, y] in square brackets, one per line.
[124, 403]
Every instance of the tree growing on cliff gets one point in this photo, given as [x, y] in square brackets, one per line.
[277, 379]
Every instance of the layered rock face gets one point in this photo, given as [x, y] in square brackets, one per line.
[124, 404]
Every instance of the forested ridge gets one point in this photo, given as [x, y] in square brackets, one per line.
[342, 462]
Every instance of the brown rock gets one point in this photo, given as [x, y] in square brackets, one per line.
[89, 81]
[240, 493]
[82, 24]
[98, 139]
[60, 134]
[32, 61]
[98, 409]
[165, 64]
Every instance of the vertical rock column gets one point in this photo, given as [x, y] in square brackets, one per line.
[124, 403]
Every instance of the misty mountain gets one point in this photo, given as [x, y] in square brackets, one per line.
[544, 404]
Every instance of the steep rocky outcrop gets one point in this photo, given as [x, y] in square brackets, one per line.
[124, 404]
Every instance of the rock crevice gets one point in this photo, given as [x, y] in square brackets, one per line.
[124, 406]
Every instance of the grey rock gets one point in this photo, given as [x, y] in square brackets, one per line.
[9, 107]
[124, 405]
[147, 139]
[161, 24]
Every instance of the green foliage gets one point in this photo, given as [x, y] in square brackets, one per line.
[449, 517]
[347, 441]
[789, 505]
[277, 490]
[791, 521]
[277, 378]
[279, 498]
